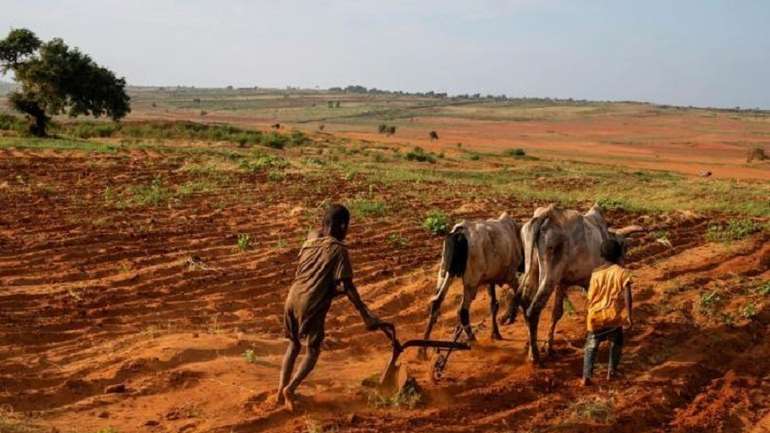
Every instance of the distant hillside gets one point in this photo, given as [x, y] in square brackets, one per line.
[6, 87]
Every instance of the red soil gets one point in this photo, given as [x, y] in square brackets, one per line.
[104, 322]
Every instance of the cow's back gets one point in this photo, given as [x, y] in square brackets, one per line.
[494, 249]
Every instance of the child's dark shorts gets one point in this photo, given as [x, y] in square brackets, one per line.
[313, 329]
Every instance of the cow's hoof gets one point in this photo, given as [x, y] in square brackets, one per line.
[548, 350]
[496, 336]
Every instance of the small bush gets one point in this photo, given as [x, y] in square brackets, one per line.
[397, 240]
[418, 154]
[709, 302]
[437, 222]
[260, 162]
[244, 241]
[275, 140]
[12, 123]
[749, 311]
[515, 153]
[250, 356]
[764, 289]
[298, 138]
[608, 203]
[153, 194]
[733, 230]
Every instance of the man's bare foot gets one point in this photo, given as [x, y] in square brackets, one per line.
[585, 382]
[279, 397]
[288, 400]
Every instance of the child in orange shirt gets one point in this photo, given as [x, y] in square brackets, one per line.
[609, 306]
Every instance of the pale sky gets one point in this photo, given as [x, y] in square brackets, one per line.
[686, 52]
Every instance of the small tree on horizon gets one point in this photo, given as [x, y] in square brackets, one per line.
[56, 79]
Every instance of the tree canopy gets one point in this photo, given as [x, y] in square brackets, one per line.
[56, 79]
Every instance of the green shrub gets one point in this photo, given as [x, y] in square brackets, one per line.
[275, 140]
[733, 230]
[437, 222]
[154, 194]
[519, 152]
[12, 123]
[250, 356]
[259, 162]
[749, 311]
[244, 241]
[608, 203]
[298, 138]
[418, 154]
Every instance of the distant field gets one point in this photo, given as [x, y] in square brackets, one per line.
[684, 140]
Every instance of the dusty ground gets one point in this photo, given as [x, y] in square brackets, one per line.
[106, 322]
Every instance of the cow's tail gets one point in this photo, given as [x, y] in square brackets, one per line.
[454, 260]
[524, 293]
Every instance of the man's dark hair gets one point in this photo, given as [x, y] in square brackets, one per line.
[336, 216]
[612, 250]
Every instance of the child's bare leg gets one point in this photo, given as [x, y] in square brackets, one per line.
[313, 351]
[287, 367]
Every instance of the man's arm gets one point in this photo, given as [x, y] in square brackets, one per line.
[629, 304]
[371, 321]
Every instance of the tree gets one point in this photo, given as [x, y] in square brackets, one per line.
[56, 79]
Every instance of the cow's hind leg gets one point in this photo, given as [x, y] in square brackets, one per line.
[558, 311]
[469, 293]
[532, 321]
[533, 316]
[493, 307]
[435, 307]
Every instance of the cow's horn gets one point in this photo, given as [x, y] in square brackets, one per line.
[628, 230]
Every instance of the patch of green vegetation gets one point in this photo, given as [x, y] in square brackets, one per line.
[749, 311]
[418, 154]
[57, 144]
[733, 230]
[153, 194]
[408, 397]
[611, 203]
[12, 123]
[709, 302]
[520, 154]
[763, 289]
[259, 162]
[397, 240]
[594, 409]
[244, 241]
[250, 356]
[437, 222]
[275, 176]
[362, 208]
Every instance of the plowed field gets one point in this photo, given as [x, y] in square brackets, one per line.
[136, 314]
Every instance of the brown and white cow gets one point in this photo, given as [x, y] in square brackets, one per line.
[480, 252]
[561, 249]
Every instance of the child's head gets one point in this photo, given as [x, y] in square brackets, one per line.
[612, 251]
[335, 222]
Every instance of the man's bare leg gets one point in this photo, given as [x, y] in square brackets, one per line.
[313, 351]
[287, 367]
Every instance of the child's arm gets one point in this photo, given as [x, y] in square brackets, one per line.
[371, 321]
[629, 304]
